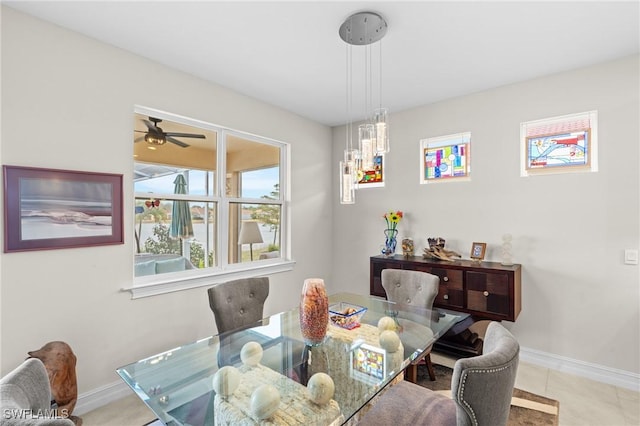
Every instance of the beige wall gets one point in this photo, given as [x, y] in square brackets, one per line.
[67, 103]
[569, 231]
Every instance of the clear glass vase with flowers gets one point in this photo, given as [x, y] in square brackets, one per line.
[392, 219]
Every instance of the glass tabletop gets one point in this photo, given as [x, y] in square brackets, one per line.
[177, 385]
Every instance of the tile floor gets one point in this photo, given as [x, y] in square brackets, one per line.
[583, 402]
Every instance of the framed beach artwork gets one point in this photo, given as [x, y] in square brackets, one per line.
[50, 209]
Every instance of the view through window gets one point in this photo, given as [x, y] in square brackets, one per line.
[206, 198]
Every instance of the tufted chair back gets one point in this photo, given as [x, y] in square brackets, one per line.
[410, 287]
[482, 386]
[238, 303]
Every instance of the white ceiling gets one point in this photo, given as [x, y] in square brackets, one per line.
[289, 54]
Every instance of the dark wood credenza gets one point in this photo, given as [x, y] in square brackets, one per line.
[486, 290]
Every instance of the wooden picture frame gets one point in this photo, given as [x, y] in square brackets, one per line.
[477, 251]
[50, 209]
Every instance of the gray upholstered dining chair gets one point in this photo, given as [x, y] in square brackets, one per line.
[481, 388]
[412, 288]
[238, 303]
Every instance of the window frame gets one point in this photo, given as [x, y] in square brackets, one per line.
[151, 285]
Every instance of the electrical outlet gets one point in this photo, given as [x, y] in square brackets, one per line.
[631, 257]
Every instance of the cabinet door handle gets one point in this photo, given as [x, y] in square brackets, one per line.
[486, 293]
[445, 279]
[446, 297]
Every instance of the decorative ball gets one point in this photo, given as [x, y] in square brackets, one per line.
[251, 353]
[226, 381]
[389, 341]
[265, 401]
[320, 388]
[386, 323]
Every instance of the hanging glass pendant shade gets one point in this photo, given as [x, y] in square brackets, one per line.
[347, 183]
[351, 159]
[381, 130]
[366, 134]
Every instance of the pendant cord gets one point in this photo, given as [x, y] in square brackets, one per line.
[349, 139]
[370, 104]
[380, 59]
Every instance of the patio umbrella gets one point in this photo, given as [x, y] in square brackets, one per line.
[181, 225]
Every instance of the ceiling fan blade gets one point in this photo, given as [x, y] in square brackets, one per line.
[176, 141]
[185, 135]
[140, 139]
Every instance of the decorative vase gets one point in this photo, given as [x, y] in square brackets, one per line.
[314, 311]
[407, 247]
[390, 242]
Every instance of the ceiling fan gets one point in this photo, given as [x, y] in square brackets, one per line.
[156, 136]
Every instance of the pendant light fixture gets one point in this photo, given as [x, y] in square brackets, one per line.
[363, 29]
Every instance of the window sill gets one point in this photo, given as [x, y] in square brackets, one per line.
[169, 283]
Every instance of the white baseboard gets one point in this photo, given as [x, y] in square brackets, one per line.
[101, 396]
[599, 373]
[112, 392]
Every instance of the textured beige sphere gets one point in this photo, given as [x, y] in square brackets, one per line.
[390, 341]
[386, 323]
[251, 353]
[320, 388]
[265, 401]
[226, 381]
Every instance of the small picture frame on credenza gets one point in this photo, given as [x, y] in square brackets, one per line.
[477, 251]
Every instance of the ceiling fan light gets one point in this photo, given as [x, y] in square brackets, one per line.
[155, 139]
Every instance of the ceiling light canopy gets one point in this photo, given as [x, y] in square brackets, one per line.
[363, 29]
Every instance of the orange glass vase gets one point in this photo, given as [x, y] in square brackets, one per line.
[314, 311]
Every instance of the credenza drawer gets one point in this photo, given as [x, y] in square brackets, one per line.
[488, 292]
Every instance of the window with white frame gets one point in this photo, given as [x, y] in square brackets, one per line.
[561, 144]
[209, 201]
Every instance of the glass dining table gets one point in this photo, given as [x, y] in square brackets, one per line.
[178, 384]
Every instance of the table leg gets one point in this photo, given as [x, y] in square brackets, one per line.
[411, 373]
[432, 373]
